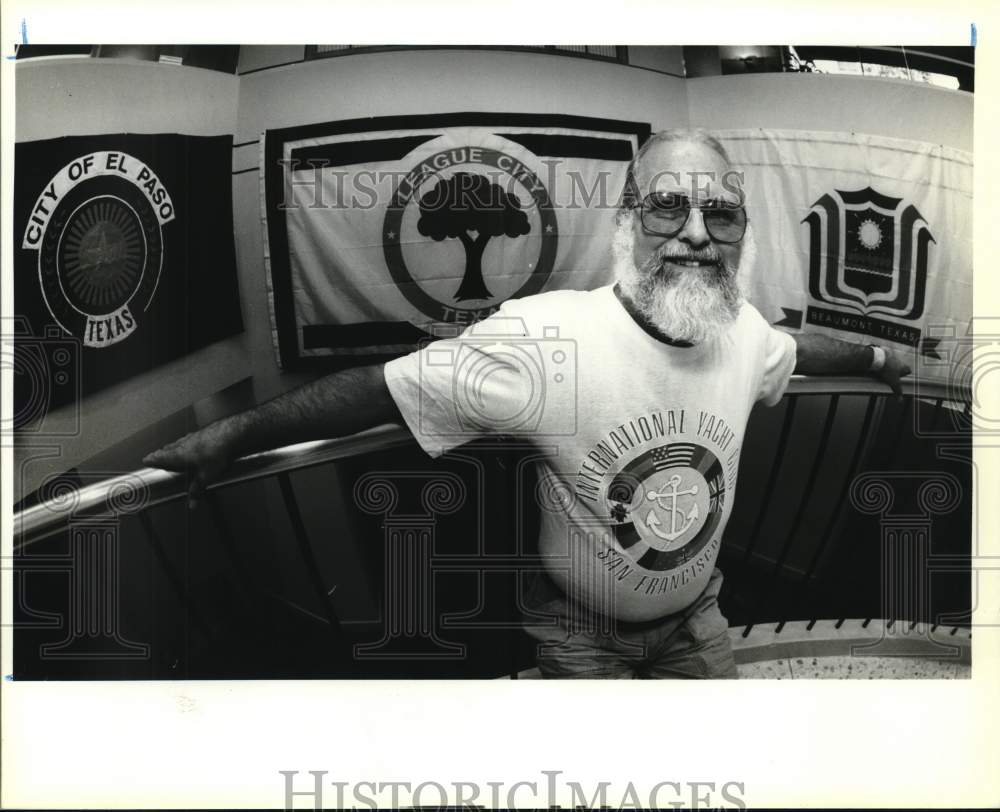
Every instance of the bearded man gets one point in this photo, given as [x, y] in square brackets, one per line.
[638, 441]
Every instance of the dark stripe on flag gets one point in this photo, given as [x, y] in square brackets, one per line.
[346, 153]
[572, 146]
[654, 559]
[708, 466]
[625, 534]
[361, 334]
[659, 560]
[468, 119]
[277, 234]
[642, 468]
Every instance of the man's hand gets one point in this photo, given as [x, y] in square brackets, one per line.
[818, 354]
[332, 406]
[205, 454]
[891, 372]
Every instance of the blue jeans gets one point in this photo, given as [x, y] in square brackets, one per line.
[693, 644]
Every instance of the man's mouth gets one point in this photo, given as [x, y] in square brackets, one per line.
[690, 263]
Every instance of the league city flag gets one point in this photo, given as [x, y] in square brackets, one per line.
[379, 229]
[864, 238]
[124, 260]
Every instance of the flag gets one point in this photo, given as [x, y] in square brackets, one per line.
[863, 238]
[380, 229]
[124, 260]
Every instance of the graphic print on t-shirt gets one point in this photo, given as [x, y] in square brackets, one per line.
[666, 504]
[664, 481]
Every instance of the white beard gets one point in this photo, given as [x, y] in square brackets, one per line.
[695, 305]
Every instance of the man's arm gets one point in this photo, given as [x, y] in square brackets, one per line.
[336, 405]
[822, 355]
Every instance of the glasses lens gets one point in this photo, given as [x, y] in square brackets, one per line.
[665, 214]
[725, 223]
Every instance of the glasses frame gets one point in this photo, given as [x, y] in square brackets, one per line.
[643, 207]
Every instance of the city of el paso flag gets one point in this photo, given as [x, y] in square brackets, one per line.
[124, 260]
[379, 229]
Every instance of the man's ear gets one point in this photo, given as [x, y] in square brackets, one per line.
[629, 201]
[748, 255]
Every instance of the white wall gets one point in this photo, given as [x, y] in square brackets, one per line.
[86, 96]
[804, 101]
[60, 97]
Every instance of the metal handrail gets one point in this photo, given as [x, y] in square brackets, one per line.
[860, 385]
[138, 490]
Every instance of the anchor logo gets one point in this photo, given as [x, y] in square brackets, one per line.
[683, 489]
[666, 499]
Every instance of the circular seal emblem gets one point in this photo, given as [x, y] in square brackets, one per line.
[458, 213]
[97, 228]
[666, 504]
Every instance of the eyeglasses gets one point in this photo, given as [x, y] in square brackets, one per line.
[665, 215]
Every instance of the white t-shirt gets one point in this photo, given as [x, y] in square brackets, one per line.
[639, 440]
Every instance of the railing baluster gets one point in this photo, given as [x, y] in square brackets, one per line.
[247, 581]
[779, 562]
[307, 555]
[179, 586]
[852, 471]
[786, 428]
[904, 414]
[818, 460]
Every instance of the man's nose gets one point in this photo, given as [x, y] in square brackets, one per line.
[694, 232]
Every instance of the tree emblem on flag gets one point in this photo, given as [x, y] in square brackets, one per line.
[464, 203]
[478, 196]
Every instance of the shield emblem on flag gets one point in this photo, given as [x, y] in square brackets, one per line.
[868, 252]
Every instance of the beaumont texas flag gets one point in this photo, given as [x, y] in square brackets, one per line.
[864, 238]
[124, 260]
[380, 228]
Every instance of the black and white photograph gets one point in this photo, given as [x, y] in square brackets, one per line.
[494, 371]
